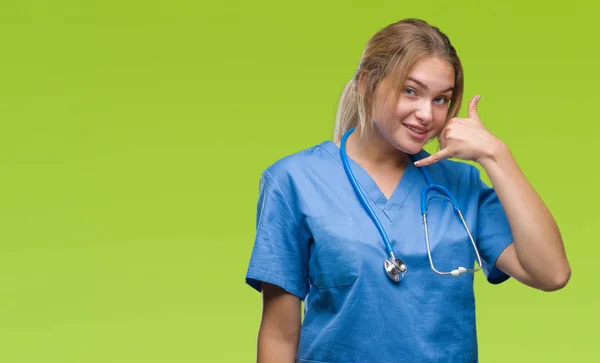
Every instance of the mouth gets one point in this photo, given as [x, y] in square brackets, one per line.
[416, 130]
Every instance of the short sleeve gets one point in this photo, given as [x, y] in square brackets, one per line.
[494, 233]
[279, 255]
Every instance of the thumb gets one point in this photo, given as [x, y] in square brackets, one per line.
[433, 158]
[473, 107]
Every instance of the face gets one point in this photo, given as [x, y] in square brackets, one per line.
[409, 121]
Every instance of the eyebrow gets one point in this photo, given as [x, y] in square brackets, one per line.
[423, 85]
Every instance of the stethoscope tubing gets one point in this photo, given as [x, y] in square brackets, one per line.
[430, 187]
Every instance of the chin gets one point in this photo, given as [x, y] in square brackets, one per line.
[412, 150]
[410, 147]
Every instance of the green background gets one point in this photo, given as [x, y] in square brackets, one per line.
[133, 134]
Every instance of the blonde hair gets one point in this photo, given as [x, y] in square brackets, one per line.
[389, 55]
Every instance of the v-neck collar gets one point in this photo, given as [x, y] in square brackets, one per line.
[391, 206]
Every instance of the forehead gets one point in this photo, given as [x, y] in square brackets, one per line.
[434, 73]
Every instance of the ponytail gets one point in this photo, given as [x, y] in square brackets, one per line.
[347, 115]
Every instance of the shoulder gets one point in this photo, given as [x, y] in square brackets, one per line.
[285, 170]
[454, 172]
[292, 178]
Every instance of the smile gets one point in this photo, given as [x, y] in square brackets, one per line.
[414, 129]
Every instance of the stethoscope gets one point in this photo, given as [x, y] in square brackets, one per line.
[396, 267]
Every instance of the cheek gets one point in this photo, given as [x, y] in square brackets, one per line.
[439, 117]
[387, 115]
[404, 110]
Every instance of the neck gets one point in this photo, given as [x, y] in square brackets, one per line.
[374, 151]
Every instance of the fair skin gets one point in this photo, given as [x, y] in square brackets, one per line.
[422, 106]
[279, 330]
[536, 258]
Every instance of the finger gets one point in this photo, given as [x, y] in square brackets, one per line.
[443, 135]
[442, 141]
[433, 158]
[473, 107]
[442, 138]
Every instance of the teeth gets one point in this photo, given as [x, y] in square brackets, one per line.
[415, 130]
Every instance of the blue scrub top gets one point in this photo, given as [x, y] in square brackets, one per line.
[315, 240]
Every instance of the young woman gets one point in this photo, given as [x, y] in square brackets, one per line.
[383, 262]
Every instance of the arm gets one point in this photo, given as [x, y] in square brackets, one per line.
[278, 268]
[280, 326]
[537, 257]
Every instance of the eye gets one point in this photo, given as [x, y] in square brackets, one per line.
[441, 100]
[409, 91]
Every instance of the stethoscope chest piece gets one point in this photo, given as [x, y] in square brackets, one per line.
[395, 268]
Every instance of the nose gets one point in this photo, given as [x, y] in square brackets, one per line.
[424, 112]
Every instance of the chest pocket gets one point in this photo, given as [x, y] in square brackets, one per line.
[449, 241]
[333, 260]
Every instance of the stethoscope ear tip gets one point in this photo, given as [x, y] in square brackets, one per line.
[459, 271]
